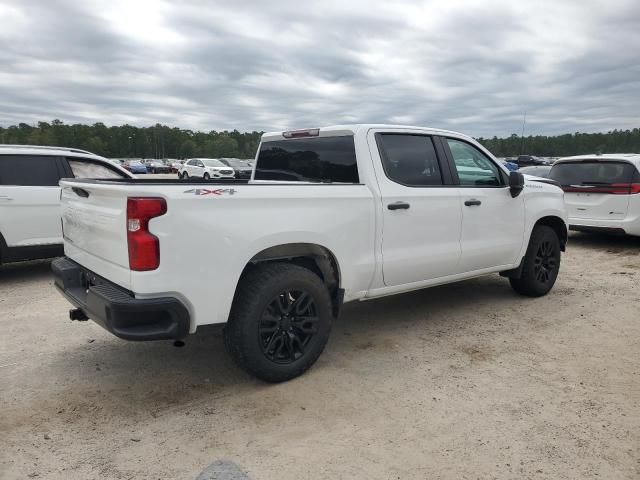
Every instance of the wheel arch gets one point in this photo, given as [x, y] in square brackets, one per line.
[317, 258]
[552, 221]
[558, 225]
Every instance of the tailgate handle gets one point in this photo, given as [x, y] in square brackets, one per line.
[81, 192]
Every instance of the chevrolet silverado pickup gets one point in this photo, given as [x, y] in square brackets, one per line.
[330, 215]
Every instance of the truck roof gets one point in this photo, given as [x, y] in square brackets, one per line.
[351, 129]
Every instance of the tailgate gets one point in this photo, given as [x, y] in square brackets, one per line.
[94, 229]
[595, 189]
[600, 206]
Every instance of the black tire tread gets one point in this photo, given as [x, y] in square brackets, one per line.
[525, 284]
[248, 297]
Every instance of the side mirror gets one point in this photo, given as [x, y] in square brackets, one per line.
[516, 183]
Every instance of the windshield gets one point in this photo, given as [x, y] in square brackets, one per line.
[592, 172]
[212, 162]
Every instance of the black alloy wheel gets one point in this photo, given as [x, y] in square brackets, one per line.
[287, 326]
[545, 262]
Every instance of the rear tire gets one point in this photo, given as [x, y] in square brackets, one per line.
[541, 263]
[280, 321]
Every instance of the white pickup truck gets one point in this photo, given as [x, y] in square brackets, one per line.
[330, 215]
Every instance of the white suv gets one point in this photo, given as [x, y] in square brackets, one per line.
[30, 225]
[206, 168]
[602, 192]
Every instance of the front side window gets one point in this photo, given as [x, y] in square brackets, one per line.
[473, 167]
[29, 170]
[319, 159]
[409, 159]
[85, 169]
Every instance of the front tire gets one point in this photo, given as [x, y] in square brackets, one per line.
[185, 175]
[280, 321]
[206, 176]
[541, 263]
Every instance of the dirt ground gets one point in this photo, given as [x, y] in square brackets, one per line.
[466, 381]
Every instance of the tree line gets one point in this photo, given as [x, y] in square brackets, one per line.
[615, 141]
[127, 141]
[161, 141]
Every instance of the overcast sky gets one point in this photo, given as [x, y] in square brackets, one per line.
[472, 66]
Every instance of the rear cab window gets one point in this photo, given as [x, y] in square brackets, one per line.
[314, 159]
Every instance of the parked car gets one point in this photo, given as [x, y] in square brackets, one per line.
[135, 166]
[242, 168]
[541, 171]
[156, 166]
[602, 192]
[205, 168]
[30, 226]
[529, 160]
[511, 166]
[174, 165]
[381, 210]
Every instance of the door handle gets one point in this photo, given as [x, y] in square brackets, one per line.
[4, 197]
[472, 202]
[398, 206]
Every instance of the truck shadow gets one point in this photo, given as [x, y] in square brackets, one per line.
[110, 377]
[25, 271]
[609, 243]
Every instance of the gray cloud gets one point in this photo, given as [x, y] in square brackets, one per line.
[469, 66]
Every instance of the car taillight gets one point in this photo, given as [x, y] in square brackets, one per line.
[144, 248]
[625, 188]
[613, 189]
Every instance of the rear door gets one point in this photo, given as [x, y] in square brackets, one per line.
[595, 189]
[421, 211]
[492, 220]
[30, 199]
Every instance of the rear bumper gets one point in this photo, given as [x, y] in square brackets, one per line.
[592, 229]
[629, 225]
[116, 309]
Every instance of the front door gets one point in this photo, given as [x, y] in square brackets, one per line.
[492, 221]
[421, 211]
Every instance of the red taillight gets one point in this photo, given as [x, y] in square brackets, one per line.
[625, 188]
[144, 248]
[613, 189]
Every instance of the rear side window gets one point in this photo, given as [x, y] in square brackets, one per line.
[88, 169]
[321, 159]
[410, 159]
[28, 170]
[592, 173]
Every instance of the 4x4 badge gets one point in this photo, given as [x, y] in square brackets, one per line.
[205, 191]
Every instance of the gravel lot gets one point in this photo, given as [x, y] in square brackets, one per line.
[461, 381]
